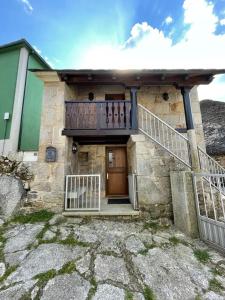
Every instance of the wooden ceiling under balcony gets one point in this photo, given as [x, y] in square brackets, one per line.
[128, 78]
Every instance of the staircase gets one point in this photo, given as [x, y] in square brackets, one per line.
[173, 142]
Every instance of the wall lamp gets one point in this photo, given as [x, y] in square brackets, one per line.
[165, 96]
[74, 148]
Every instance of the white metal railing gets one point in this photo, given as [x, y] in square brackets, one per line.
[83, 192]
[133, 194]
[210, 204]
[164, 135]
[208, 164]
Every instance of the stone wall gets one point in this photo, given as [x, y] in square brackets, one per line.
[47, 189]
[220, 159]
[151, 164]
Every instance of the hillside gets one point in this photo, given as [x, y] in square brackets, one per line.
[213, 118]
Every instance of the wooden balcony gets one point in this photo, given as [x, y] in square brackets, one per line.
[98, 118]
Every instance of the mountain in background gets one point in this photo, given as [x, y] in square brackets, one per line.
[213, 119]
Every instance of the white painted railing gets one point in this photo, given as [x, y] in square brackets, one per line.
[133, 193]
[82, 192]
[164, 135]
[208, 164]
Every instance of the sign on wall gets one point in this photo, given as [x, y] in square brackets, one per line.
[50, 154]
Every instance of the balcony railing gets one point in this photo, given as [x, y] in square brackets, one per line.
[98, 115]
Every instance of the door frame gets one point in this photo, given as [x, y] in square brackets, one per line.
[106, 167]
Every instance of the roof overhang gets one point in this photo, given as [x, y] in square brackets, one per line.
[178, 78]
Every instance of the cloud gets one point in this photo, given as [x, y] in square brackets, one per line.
[214, 90]
[149, 47]
[222, 22]
[44, 57]
[168, 20]
[27, 6]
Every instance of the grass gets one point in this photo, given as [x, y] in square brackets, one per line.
[92, 289]
[44, 277]
[217, 271]
[202, 256]
[71, 241]
[8, 272]
[148, 294]
[129, 296]
[68, 268]
[215, 285]
[152, 225]
[198, 297]
[39, 216]
[174, 240]
[147, 247]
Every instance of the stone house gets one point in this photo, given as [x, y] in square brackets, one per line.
[213, 120]
[112, 142]
[121, 133]
[20, 98]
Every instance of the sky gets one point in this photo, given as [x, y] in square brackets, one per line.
[123, 34]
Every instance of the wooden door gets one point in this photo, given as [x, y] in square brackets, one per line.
[116, 171]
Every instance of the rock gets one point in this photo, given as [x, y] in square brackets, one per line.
[74, 220]
[86, 235]
[212, 296]
[17, 291]
[1, 221]
[64, 232]
[20, 237]
[69, 286]
[11, 195]
[2, 269]
[109, 292]
[112, 268]
[83, 264]
[110, 243]
[49, 235]
[16, 258]
[44, 258]
[34, 292]
[134, 245]
[138, 296]
[57, 219]
[172, 273]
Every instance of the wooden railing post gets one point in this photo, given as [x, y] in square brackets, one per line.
[133, 97]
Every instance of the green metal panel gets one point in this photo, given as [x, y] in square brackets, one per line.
[31, 116]
[8, 74]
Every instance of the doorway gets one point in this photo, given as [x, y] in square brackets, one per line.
[116, 172]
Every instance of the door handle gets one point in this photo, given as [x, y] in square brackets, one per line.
[107, 176]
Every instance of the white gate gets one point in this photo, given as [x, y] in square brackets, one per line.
[82, 192]
[210, 204]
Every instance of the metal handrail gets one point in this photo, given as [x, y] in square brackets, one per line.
[164, 135]
[163, 122]
[211, 164]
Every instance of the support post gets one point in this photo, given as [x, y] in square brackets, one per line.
[133, 97]
[191, 134]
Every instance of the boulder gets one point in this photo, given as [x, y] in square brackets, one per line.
[11, 195]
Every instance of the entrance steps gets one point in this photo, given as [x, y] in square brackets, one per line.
[105, 210]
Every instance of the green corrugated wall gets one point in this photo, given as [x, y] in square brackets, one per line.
[31, 116]
[8, 74]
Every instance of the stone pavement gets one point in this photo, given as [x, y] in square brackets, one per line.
[98, 259]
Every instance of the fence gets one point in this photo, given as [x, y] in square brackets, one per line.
[82, 192]
[209, 194]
